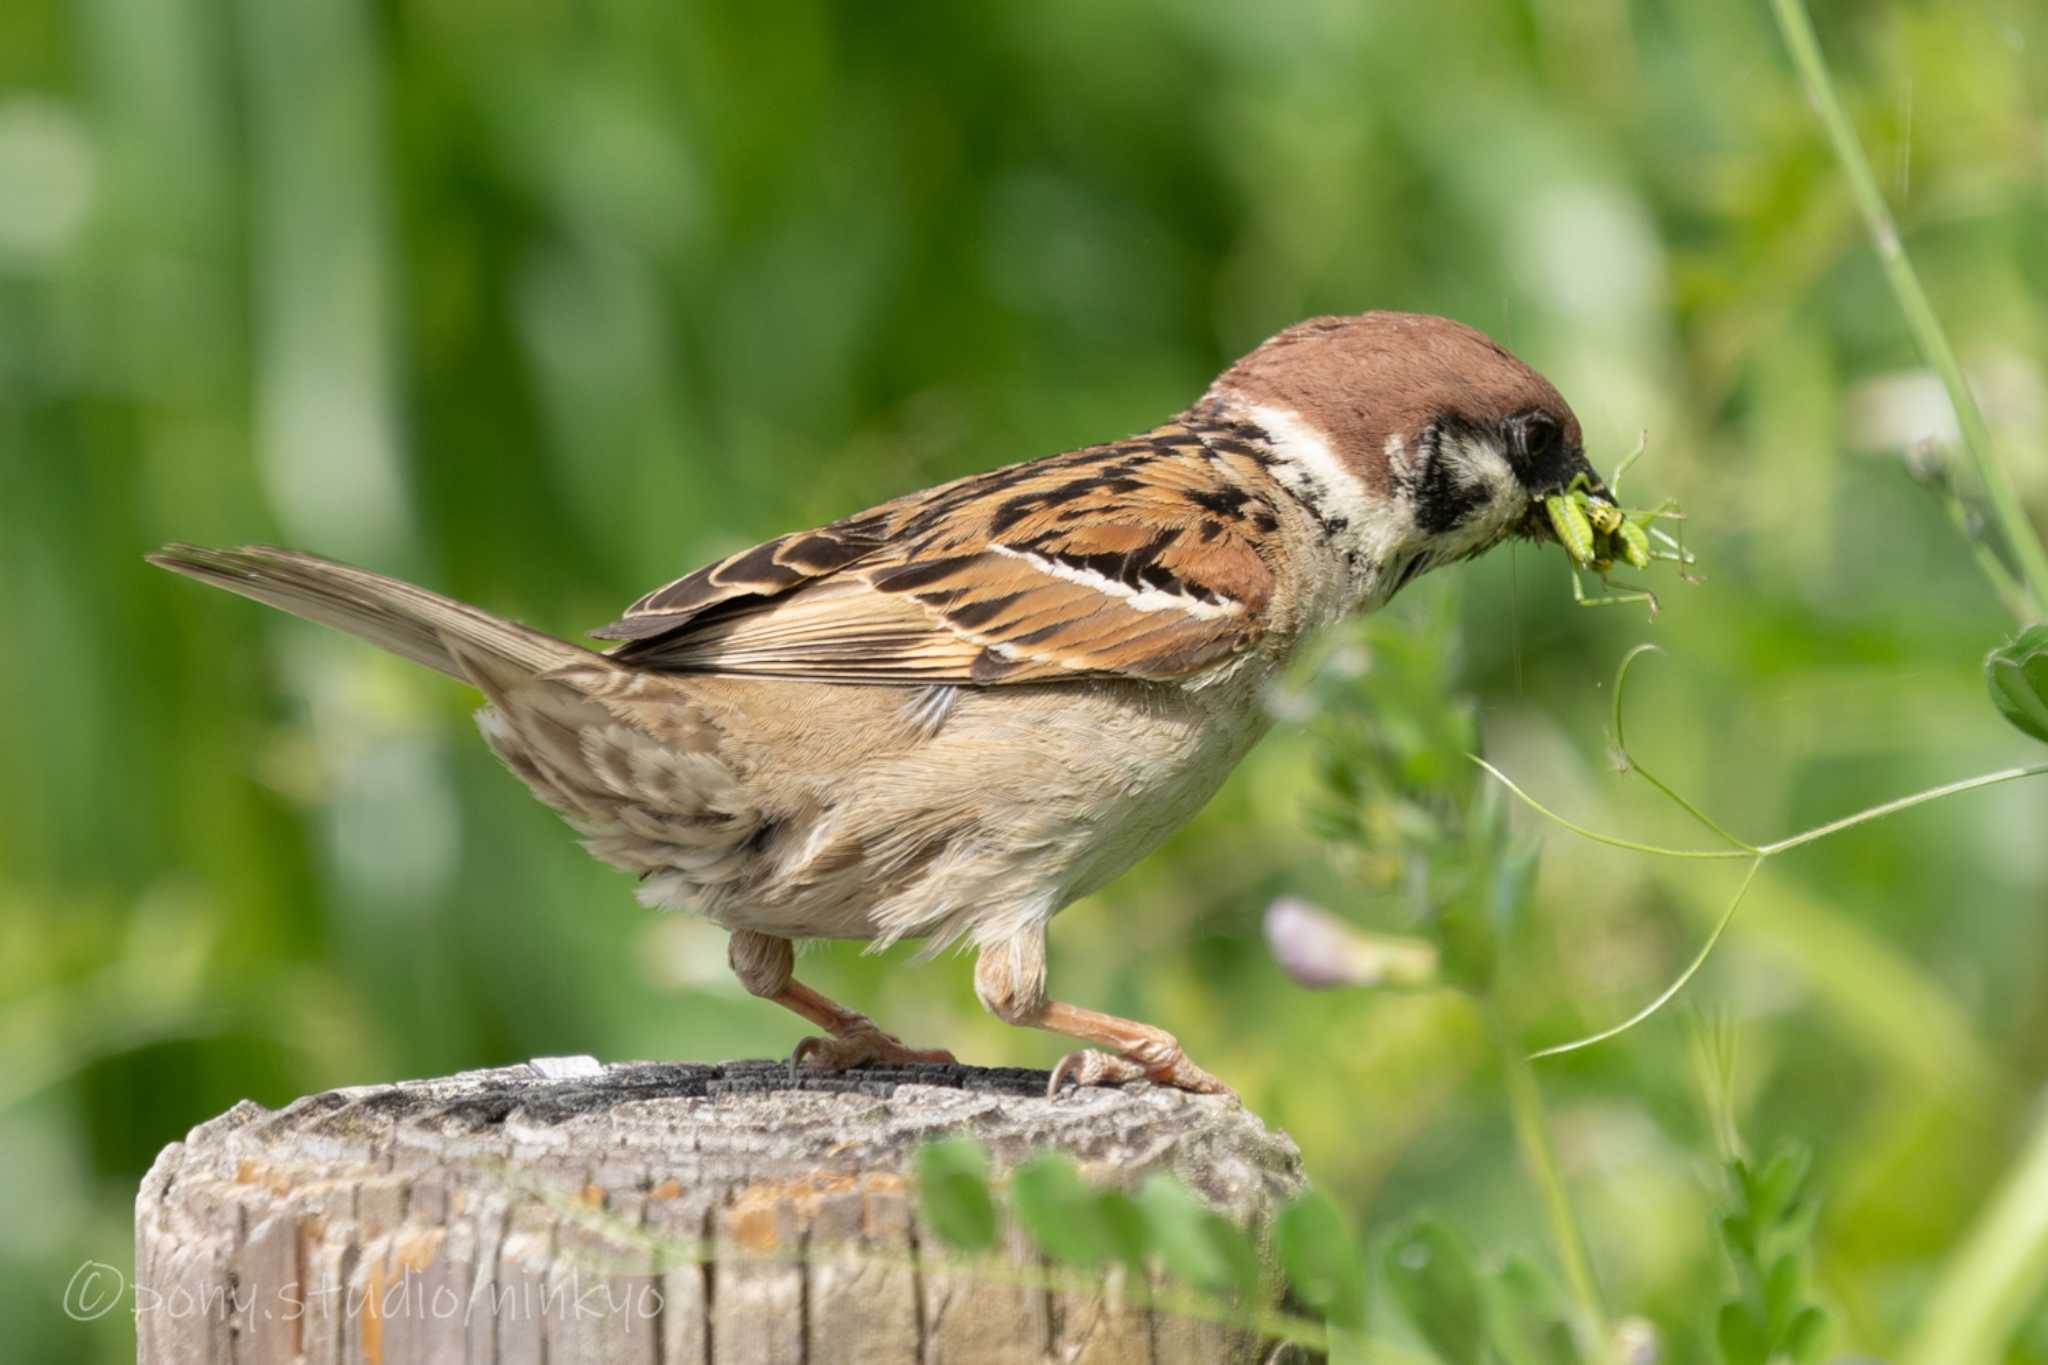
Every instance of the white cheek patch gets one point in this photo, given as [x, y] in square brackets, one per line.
[1482, 468]
[1365, 528]
[1482, 465]
[1304, 463]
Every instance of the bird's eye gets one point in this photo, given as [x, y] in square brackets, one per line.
[1536, 435]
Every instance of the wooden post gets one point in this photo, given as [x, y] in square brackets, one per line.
[567, 1211]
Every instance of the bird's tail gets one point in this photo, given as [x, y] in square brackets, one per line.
[423, 626]
[621, 753]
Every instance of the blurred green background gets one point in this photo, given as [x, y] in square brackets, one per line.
[542, 303]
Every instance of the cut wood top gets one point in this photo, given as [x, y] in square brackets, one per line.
[711, 1195]
[724, 1123]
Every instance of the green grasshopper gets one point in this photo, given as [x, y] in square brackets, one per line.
[1596, 531]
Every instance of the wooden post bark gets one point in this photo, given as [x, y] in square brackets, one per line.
[670, 1213]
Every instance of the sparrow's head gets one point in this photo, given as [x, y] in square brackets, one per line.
[1418, 440]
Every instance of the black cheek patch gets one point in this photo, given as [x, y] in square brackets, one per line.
[1441, 505]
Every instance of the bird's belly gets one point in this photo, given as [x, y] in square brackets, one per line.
[1156, 798]
[1021, 803]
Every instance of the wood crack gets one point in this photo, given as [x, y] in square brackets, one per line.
[708, 1274]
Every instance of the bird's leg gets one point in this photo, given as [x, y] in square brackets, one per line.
[1142, 1052]
[764, 963]
[1010, 979]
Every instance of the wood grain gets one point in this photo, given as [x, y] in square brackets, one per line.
[670, 1213]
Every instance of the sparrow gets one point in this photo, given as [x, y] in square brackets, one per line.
[951, 715]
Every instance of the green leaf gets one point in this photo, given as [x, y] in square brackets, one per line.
[1123, 1224]
[2017, 674]
[1238, 1253]
[1806, 1337]
[1431, 1273]
[1740, 1239]
[1468, 947]
[952, 1190]
[1783, 1293]
[1528, 1327]
[1321, 1260]
[1775, 1192]
[1200, 1247]
[1173, 1224]
[1738, 1336]
[1059, 1211]
[1512, 884]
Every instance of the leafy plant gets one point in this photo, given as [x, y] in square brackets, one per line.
[1197, 1245]
[1432, 848]
[1769, 1321]
[1471, 1313]
[1754, 854]
[1463, 1308]
[1068, 1221]
[953, 1189]
[1214, 1265]
[1426, 843]
[1321, 1260]
[1438, 850]
[2020, 541]
[2017, 673]
[1430, 1270]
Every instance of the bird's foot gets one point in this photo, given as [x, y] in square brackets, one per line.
[1170, 1068]
[859, 1047]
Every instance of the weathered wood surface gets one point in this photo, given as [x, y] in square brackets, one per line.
[565, 1211]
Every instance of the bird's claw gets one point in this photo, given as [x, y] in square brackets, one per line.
[859, 1047]
[1090, 1067]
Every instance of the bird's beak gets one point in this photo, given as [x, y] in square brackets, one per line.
[1536, 523]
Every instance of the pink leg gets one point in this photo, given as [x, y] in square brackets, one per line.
[763, 964]
[1010, 979]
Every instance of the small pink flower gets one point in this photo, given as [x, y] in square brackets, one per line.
[1321, 951]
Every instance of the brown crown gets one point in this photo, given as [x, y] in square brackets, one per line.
[1362, 378]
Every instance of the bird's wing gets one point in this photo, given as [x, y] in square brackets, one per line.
[1137, 558]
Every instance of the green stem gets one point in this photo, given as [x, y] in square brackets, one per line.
[1532, 1133]
[1864, 817]
[1678, 983]
[1621, 743]
[1595, 835]
[1991, 1284]
[1928, 332]
[2012, 594]
[1818, 832]
[1756, 853]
